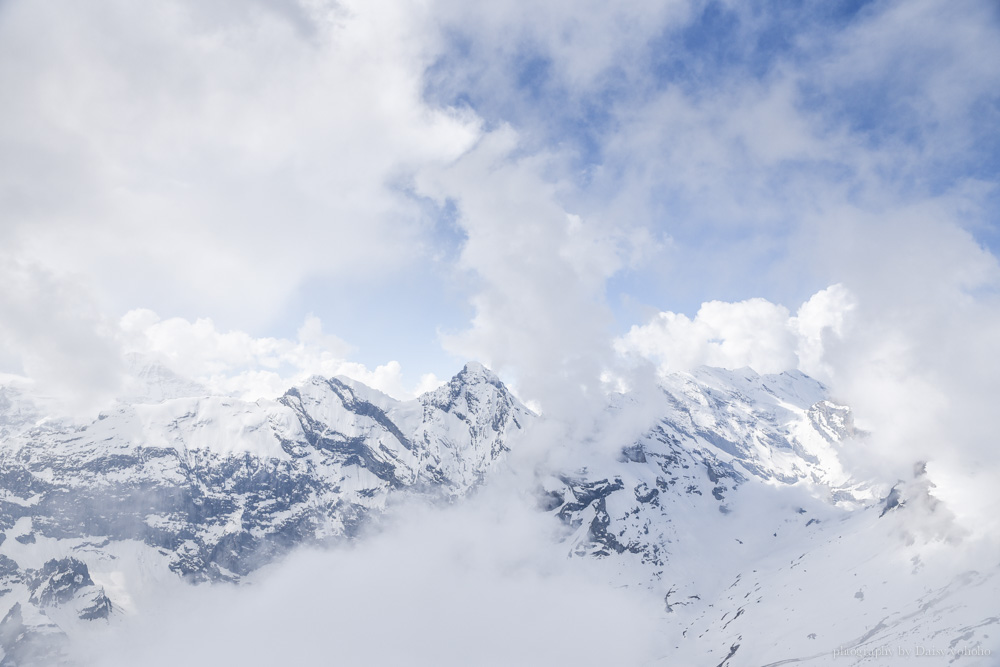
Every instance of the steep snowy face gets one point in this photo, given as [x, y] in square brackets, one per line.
[778, 427]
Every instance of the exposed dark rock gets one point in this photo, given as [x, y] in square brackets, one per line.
[99, 607]
[57, 582]
[892, 501]
[635, 453]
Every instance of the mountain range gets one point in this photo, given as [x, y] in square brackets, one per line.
[731, 496]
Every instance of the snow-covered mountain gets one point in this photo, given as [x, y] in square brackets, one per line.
[212, 488]
[735, 506]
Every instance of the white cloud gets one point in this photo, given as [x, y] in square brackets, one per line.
[754, 333]
[578, 47]
[818, 324]
[484, 583]
[538, 272]
[209, 157]
[233, 362]
[935, 62]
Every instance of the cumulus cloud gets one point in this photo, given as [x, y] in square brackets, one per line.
[234, 362]
[754, 333]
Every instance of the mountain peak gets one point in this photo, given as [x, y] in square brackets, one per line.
[475, 373]
[476, 393]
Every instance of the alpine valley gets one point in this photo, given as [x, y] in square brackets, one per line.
[739, 505]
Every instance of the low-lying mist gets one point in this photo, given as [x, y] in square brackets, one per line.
[485, 583]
